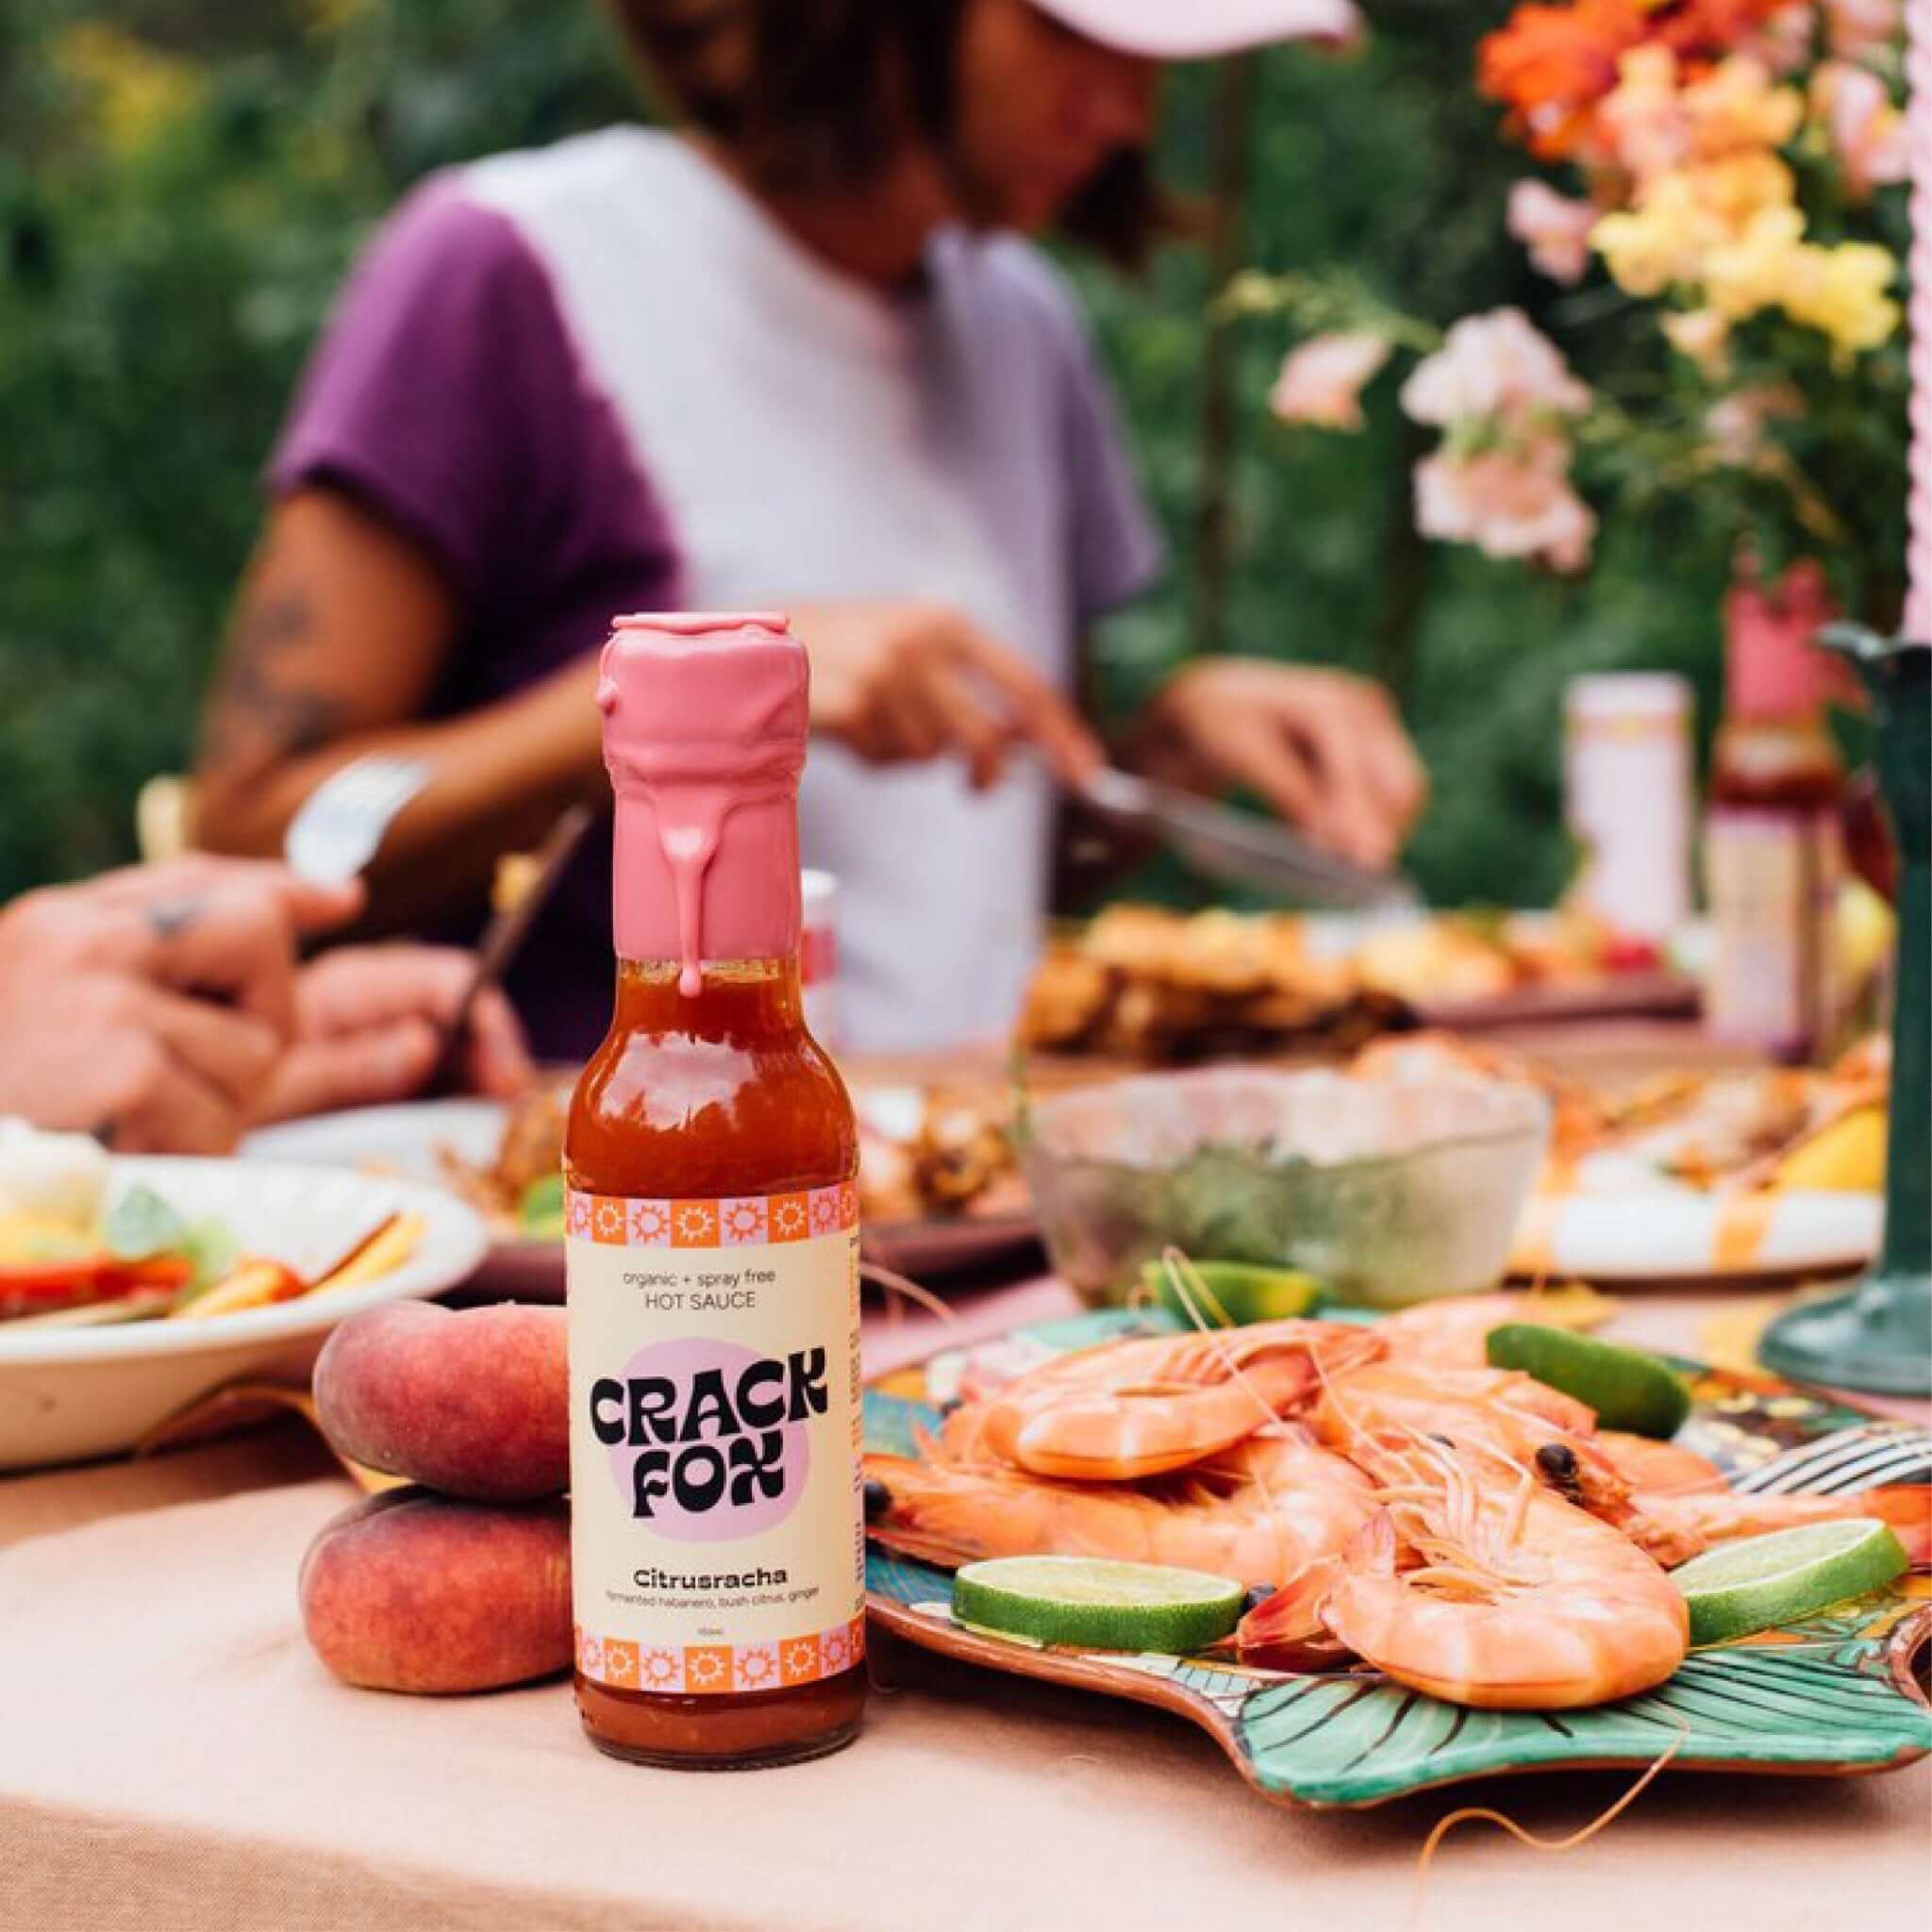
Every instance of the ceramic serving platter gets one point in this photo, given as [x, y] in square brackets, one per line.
[411, 1139]
[1833, 1695]
[70, 1394]
[1734, 1237]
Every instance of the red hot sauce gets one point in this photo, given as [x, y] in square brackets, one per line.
[717, 1520]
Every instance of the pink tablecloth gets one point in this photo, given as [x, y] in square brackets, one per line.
[171, 1757]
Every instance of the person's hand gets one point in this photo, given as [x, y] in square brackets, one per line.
[1324, 748]
[368, 1030]
[903, 682]
[151, 1005]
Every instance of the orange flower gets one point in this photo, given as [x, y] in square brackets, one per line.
[1551, 65]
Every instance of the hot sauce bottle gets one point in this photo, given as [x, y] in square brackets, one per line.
[1772, 848]
[712, 1237]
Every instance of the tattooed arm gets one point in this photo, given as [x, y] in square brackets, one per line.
[341, 628]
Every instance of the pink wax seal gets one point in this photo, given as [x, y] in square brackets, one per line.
[705, 719]
[1772, 668]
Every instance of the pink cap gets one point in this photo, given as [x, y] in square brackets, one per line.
[1197, 29]
[1772, 669]
[704, 718]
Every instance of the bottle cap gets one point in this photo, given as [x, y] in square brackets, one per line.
[705, 721]
[1772, 669]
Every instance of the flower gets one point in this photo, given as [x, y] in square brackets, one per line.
[1737, 186]
[1843, 293]
[1322, 379]
[1867, 132]
[1737, 423]
[1553, 227]
[1493, 365]
[1784, 41]
[1753, 269]
[1551, 65]
[1508, 502]
[1737, 106]
[1642, 122]
[1664, 240]
[1703, 335]
[1858, 29]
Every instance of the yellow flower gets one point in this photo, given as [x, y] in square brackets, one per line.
[136, 90]
[1753, 269]
[1843, 293]
[1737, 187]
[1664, 240]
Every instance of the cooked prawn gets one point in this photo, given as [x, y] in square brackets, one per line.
[1452, 1332]
[1659, 1469]
[1475, 1585]
[1260, 1511]
[1724, 1516]
[1437, 1400]
[1515, 1417]
[1139, 1408]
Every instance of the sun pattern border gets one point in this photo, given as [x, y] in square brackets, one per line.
[777, 1663]
[621, 1221]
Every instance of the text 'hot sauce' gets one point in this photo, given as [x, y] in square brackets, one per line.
[716, 1540]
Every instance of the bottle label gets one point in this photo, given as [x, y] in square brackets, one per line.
[717, 1518]
[1772, 878]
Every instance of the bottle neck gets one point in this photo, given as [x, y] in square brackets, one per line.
[706, 874]
[746, 1002]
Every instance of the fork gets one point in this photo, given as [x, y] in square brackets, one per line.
[340, 826]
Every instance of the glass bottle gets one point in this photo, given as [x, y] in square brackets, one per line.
[1773, 839]
[710, 1159]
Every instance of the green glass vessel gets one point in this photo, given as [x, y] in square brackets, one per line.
[1878, 1335]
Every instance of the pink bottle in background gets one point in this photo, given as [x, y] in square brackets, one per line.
[1772, 846]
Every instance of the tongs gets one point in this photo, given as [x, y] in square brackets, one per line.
[1235, 845]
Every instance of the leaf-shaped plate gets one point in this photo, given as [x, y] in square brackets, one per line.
[1833, 1694]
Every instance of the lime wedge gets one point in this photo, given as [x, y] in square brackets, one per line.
[1765, 1580]
[1236, 1292]
[1628, 1389]
[1098, 1605]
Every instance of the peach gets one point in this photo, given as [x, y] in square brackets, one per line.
[411, 1592]
[474, 1401]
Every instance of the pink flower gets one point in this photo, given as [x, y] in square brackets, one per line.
[1868, 132]
[1702, 334]
[1508, 502]
[1322, 379]
[1783, 41]
[1858, 29]
[1553, 227]
[1737, 423]
[1494, 365]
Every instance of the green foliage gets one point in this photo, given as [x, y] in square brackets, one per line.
[171, 235]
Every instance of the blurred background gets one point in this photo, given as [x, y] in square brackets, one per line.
[182, 183]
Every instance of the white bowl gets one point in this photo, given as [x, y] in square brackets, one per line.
[70, 1394]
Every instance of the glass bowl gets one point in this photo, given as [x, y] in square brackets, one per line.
[1388, 1191]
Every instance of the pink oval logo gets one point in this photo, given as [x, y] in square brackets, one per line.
[715, 1447]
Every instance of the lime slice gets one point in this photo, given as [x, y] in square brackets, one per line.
[1237, 1291]
[1098, 1605]
[1765, 1580]
[1628, 1389]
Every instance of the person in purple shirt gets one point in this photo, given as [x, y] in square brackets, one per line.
[798, 354]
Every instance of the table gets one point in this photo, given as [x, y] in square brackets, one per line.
[171, 1757]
